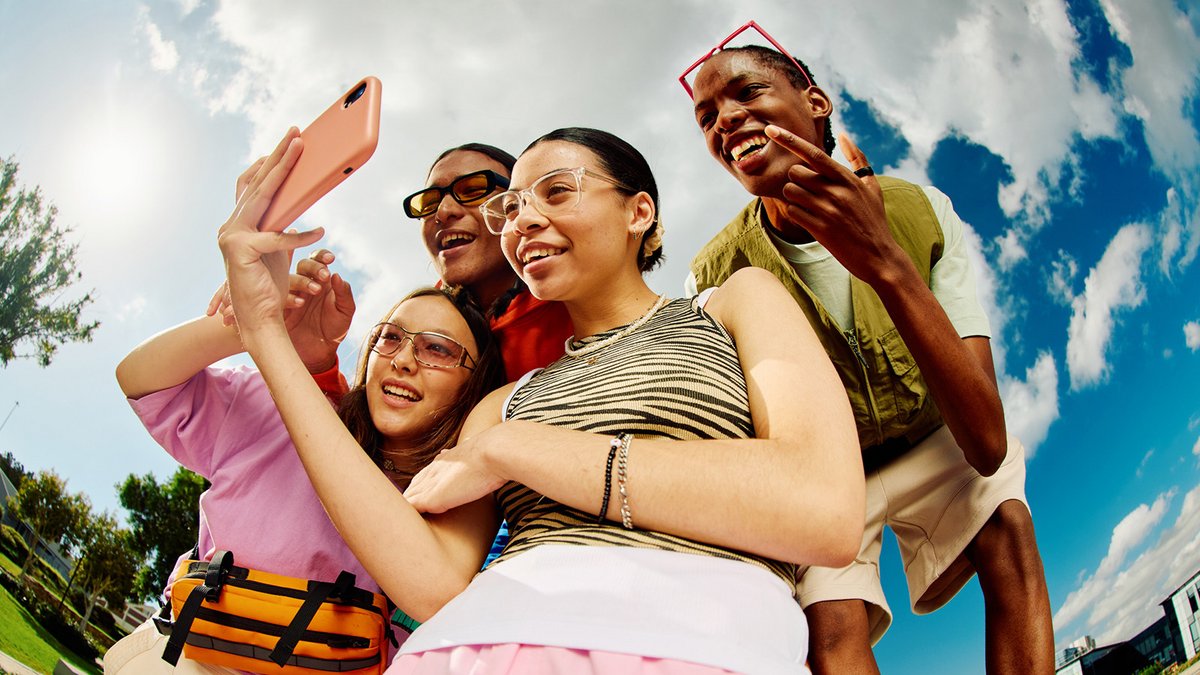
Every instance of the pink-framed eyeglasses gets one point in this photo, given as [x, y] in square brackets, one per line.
[713, 52]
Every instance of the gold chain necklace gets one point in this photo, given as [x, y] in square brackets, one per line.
[578, 353]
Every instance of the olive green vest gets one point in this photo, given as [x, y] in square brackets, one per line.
[888, 394]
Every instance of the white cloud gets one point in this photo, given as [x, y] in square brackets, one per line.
[1060, 283]
[1112, 285]
[1196, 448]
[1191, 335]
[1145, 460]
[163, 55]
[1117, 600]
[964, 85]
[1163, 77]
[186, 7]
[131, 309]
[1031, 405]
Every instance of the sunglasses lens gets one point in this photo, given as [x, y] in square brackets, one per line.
[423, 203]
[472, 188]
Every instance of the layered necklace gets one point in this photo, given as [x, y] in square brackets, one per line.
[592, 347]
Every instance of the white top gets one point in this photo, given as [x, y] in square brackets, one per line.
[951, 279]
[659, 604]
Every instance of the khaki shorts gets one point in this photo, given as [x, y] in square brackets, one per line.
[935, 503]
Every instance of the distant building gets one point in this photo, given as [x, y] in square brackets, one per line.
[1182, 609]
[1115, 659]
[1074, 650]
[133, 616]
[1158, 643]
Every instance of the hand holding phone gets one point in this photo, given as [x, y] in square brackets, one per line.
[336, 145]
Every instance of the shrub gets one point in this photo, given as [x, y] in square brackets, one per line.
[55, 622]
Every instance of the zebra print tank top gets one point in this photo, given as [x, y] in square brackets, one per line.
[676, 377]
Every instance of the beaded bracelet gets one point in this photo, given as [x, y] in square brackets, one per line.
[622, 479]
[613, 446]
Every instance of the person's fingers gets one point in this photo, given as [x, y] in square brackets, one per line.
[810, 154]
[311, 269]
[258, 197]
[247, 177]
[343, 295]
[220, 298]
[301, 285]
[268, 164]
[857, 159]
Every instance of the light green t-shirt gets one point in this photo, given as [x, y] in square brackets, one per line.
[951, 279]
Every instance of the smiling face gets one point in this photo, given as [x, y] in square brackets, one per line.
[405, 398]
[463, 251]
[736, 97]
[576, 252]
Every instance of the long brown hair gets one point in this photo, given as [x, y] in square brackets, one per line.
[487, 375]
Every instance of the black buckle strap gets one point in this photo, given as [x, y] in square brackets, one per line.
[319, 593]
[218, 570]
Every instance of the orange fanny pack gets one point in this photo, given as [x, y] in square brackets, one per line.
[250, 620]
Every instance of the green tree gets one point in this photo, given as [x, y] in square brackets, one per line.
[107, 565]
[15, 471]
[165, 523]
[36, 266]
[50, 511]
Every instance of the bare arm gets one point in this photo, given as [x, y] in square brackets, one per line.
[845, 213]
[176, 354]
[420, 563]
[794, 493]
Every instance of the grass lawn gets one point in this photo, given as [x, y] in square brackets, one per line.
[22, 638]
[9, 566]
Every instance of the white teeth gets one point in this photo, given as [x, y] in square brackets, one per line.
[454, 237]
[747, 147]
[540, 253]
[401, 393]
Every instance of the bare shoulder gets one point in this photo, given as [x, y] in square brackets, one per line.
[746, 291]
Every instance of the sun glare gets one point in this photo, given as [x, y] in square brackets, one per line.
[118, 165]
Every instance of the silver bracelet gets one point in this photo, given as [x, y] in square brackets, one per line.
[622, 482]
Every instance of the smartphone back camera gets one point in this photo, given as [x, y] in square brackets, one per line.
[355, 95]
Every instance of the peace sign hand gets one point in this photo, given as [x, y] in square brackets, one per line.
[841, 208]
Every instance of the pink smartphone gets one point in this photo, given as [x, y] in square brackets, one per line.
[336, 144]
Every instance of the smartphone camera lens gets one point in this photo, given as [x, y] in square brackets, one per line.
[355, 95]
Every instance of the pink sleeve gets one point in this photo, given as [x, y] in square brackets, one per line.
[192, 421]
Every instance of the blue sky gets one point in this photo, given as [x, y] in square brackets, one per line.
[1066, 134]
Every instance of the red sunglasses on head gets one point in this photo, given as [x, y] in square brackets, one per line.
[713, 52]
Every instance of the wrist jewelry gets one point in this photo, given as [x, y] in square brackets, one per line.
[622, 480]
[613, 446]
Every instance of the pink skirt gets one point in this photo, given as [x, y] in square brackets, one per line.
[539, 660]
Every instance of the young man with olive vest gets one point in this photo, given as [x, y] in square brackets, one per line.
[879, 267]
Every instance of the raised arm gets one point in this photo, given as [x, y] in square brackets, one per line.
[176, 354]
[420, 563]
[845, 213]
[794, 493]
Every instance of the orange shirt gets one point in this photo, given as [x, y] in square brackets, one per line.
[531, 333]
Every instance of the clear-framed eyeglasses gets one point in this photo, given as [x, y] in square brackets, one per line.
[553, 194]
[429, 349]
